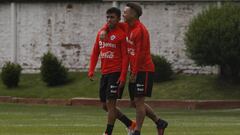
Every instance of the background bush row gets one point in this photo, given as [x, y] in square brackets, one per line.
[53, 72]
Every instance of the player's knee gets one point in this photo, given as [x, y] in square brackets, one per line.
[132, 104]
[104, 107]
[139, 102]
[111, 104]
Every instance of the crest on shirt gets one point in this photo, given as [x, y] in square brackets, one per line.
[112, 37]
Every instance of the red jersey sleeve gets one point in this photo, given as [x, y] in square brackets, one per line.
[104, 28]
[123, 26]
[139, 47]
[125, 61]
[94, 57]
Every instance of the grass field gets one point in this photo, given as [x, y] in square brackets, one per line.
[181, 87]
[18, 119]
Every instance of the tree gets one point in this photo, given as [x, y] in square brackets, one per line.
[52, 70]
[11, 73]
[213, 38]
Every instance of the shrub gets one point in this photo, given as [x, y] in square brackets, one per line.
[10, 74]
[52, 70]
[213, 38]
[163, 69]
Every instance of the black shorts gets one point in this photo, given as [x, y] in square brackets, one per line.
[109, 87]
[143, 85]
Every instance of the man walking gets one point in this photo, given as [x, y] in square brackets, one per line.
[142, 67]
[114, 63]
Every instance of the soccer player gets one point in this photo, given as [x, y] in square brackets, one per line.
[141, 66]
[114, 64]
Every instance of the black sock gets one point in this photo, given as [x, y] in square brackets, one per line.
[158, 122]
[109, 129]
[125, 120]
[161, 123]
[136, 132]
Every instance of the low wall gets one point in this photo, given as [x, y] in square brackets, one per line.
[29, 28]
[165, 104]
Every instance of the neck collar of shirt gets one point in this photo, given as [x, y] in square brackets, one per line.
[115, 28]
[135, 23]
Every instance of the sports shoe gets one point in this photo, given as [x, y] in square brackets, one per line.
[105, 134]
[130, 129]
[161, 127]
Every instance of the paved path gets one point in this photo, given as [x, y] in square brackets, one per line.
[168, 104]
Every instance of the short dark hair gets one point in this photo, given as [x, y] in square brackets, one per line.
[114, 10]
[136, 7]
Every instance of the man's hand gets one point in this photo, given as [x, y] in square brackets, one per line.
[121, 84]
[90, 76]
[103, 35]
[132, 78]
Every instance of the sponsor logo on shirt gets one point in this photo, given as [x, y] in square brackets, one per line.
[112, 37]
[107, 55]
[131, 51]
[129, 41]
[106, 44]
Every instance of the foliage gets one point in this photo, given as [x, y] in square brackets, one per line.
[213, 38]
[163, 69]
[10, 74]
[52, 70]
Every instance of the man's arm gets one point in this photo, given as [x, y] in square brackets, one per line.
[138, 43]
[105, 29]
[125, 61]
[94, 58]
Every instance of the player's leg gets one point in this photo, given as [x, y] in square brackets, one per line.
[113, 93]
[116, 93]
[150, 113]
[137, 91]
[130, 124]
[140, 113]
[111, 104]
[103, 98]
[111, 96]
[131, 92]
[160, 124]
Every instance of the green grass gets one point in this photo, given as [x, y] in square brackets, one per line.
[31, 85]
[16, 119]
[181, 87]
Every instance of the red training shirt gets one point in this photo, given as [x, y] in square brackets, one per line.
[113, 53]
[138, 47]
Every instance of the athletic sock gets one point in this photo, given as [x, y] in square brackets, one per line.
[109, 129]
[125, 120]
[158, 122]
[161, 123]
[136, 132]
